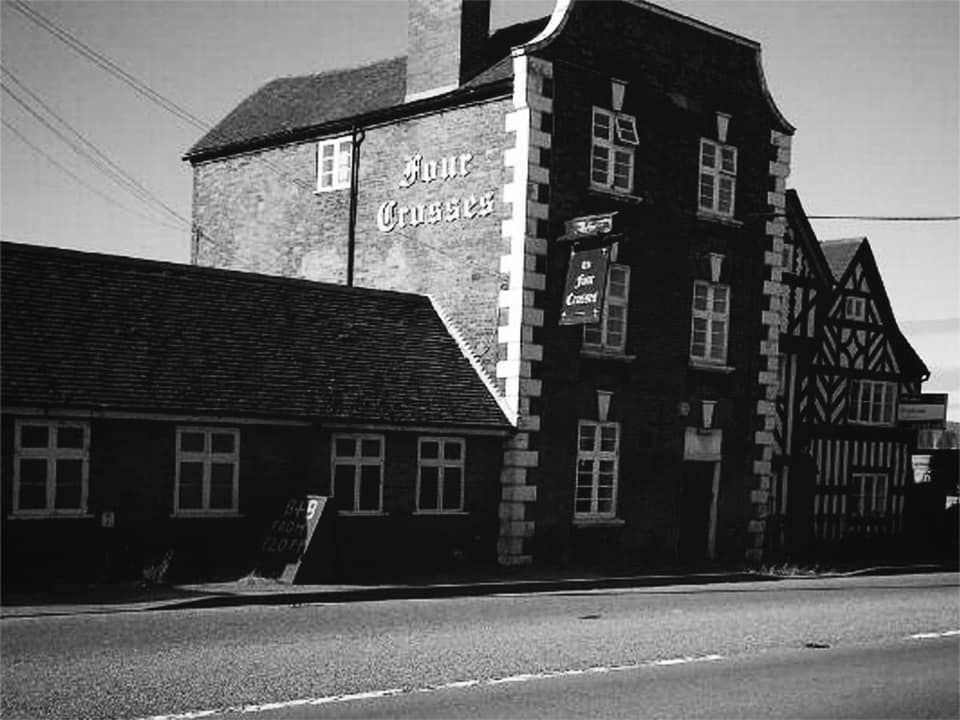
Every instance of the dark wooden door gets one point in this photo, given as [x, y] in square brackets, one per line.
[696, 497]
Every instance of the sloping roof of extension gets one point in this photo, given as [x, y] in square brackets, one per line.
[839, 253]
[293, 108]
[101, 332]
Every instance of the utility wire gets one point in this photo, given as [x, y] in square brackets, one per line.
[134, 82]
[105, 63]
[53, 161]
[99, 159]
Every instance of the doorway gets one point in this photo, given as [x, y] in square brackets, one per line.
[698, 511]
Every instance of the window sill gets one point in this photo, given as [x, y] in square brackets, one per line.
[600, 354]
[48, 515]
[441, 513]
[598, 522]
[615, 194]
[327, 191]
[717, 217]
[362, 513]
[711, 367]
[203, 514]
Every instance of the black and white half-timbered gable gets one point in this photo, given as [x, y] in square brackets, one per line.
[845, 468]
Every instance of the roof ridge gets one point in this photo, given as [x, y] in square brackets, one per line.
[334, 71]
[153, 266]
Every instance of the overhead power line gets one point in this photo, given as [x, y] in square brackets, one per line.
[93, 154]
[141, 87]
[56, 163]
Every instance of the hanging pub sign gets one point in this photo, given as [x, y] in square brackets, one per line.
[583, 292]
[585, 285]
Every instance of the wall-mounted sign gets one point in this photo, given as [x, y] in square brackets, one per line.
[395, 215]
[585, 285]
[929, 409]
[589, 225]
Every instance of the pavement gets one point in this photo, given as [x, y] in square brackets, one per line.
[255, 590]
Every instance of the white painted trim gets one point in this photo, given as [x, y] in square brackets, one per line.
[454, 332]
[558, 18]
[442, 464]
[207, 457]
[432, 92]
[357, 461]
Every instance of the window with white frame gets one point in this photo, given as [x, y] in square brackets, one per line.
[718, 177]
[51, 467]
[872, 402]
[598, 456]
[358, 473]
[611, 332]
[870, 494]
[614, 135]
[856, 308]
[711, 322]
[208, 470]
[440, 474]
[334, 159]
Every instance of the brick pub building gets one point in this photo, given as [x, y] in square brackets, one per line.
[594, 206]
[458, 171]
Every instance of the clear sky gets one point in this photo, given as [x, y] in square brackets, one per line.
[871, 86]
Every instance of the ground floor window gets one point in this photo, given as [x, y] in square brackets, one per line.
[597, 460]
[51, 467]
[869, 494]
[358, 473]
[208, 470]
[440, 475]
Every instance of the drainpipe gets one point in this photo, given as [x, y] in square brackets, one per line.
[356, 139]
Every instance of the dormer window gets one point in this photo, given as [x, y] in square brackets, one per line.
[718, 177]
[614, 136]
[334, 158]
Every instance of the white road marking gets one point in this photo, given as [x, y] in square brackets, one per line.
[458, 685]
[929, 635]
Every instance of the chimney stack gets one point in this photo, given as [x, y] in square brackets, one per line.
[446, 44]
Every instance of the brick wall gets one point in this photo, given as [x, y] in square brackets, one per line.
[132, 471]
[259, 212]
[678, 79]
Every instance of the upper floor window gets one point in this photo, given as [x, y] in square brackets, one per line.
[718, 177]
[872, 402]
[51, 467]
[598, 456]
[710, 322]
[208, 470]
[440, 475]
[611, 332]
[870, 494]
[614, 136]
[358, 473]
[334, 158]
[856, 308]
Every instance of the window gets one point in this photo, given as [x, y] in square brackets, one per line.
[856, 308]
[334, 158]
[870, 491]
[358, 473]
[597, 459]
[711, 314]
[611, 155]
[872, 402]
[208, 470]
[718, 177]
[51, 467]
[611, 332]
[440, 475]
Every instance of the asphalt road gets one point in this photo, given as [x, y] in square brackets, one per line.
[132, 665]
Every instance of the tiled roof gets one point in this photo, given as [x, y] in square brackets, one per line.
[286, 107]
[839, 253]
[83, 330]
